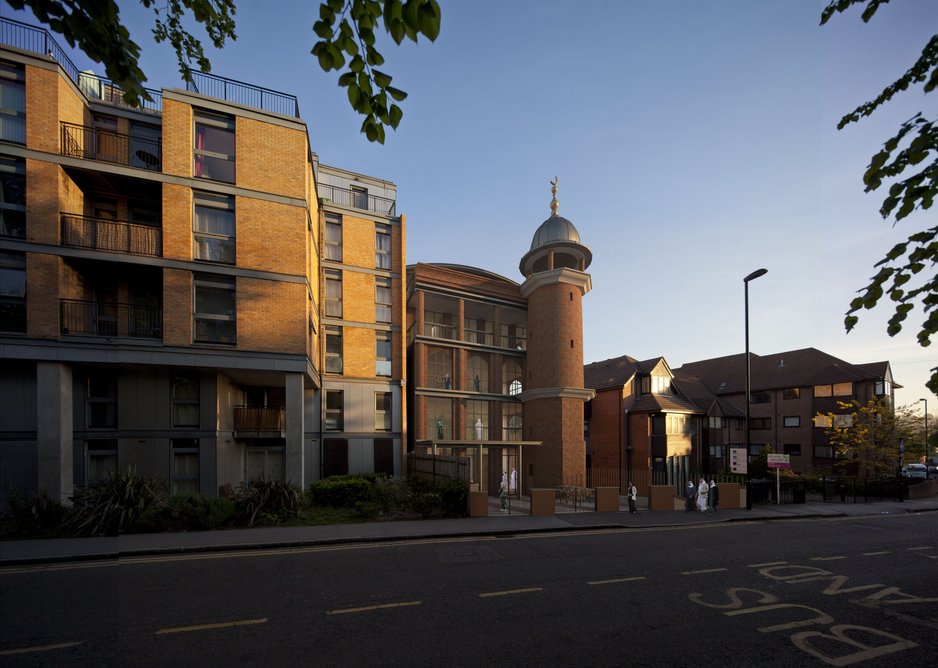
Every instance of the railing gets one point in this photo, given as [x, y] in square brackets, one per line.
[514, 342]
[104, 319]
[242, 93]
[38, 40]
[118, 236]
[357, 200]
[80, 141]
[438, 331]
[478, 336]
[252, 418]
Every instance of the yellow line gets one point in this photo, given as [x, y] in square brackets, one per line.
[39, 648]
[508, 592]
[383, 606]
[876, 554]
[703, 570]
[768, 563]
[826, 558]
[209, 627]
[614, 581]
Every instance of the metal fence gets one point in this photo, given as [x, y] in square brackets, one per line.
[81, 141]
[111, 320]
[242, 93]
[357, 200]
[111, 235]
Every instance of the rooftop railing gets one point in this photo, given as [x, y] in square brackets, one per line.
[118, 236]
[356, 200]
[80, 141]
[242, 93]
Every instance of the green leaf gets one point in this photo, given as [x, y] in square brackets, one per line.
[381, 79]
[354, 95]
[347, 79]
[397, 94]
[357, 64]
[395, 114]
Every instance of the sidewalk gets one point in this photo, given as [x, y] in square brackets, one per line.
[513, 522]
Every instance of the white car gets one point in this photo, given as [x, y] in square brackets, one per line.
[915, 471]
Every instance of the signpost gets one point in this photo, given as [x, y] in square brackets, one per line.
[778, 462]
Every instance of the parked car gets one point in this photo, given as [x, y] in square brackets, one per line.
[915, 472]
[933, 471]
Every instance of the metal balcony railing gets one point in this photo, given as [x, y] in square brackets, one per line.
[118, 236]
[242, 93]
[439, 331]
[38, 40]
[252, 418]
[356, 200]
[81, 141]
[112, 320]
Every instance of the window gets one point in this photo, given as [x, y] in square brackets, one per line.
[13, 292]
[716, 423]
[438, 325]
[335, 408]
[756, 424]
[717, 451]
[382, 247]
[185, 402]
[677, 424]
[843, 421]
[185, 465]
[333, 349]
[843, 389]
[101, 401]
[439, 418]
[12, 197]
[12, 103]
[213, 228]
[100, 460]
[791, 421]
[333, 244]
[660, 385]
[791, 393]
[382, 353]
[145, 146]
[478, 330]
[512, 373]
[214, 150]
[823, 421]
[824, 451]
[384, 456]
[791, 449]
[359, 197]
[511, 422]
[513, 336]
[334, 457]
[760, 398]
[440, 369]
[657, 425]
[264, 463]
[822, 390]
[215, 309]
[333, 293]
[477, 420]
[478, 373]
[882, 387]
[382, 411]
[382, 299]
[755, 449]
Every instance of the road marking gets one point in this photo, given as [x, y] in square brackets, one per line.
[703, 570]
[39, 648]
[924, 547]
[509, 592]
[768, 563]
[876, 554]
[826, 558]
[368, 608]
[615, 580]
[209, 627]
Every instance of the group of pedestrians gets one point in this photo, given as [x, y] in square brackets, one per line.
[702, 498]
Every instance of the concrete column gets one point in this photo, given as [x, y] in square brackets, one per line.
[294, 460]
[54, 429]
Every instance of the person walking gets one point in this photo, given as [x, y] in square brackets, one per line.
[689, 497]
[633, 493]
[714, 495]
[702, 489]
[503, 493]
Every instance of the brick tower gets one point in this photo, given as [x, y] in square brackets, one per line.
[555, 282]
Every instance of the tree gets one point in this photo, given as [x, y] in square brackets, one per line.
[345, 28]
[868, 434]
[909, 162]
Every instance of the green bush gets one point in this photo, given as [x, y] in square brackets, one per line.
[32, 516]
[341, 491]
[114, 505]
[454, 497]
[191, 512]
[267, 502]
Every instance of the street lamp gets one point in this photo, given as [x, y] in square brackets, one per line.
[926, 432]
[751, 277]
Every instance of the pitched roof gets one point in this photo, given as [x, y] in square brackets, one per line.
[654, 403]
[614, 372]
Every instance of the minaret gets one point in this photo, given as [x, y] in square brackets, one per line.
[556, 280]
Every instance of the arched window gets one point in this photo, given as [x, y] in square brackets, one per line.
[477, 377]
[440, 369]
[512, 374]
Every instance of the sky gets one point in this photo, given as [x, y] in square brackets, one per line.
[694, 142]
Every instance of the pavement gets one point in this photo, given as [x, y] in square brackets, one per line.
[514, 522]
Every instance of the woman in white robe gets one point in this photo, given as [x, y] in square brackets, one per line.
[703, 490]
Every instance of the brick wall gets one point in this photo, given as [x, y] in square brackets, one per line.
[177, 222]
[359, 352]
[606, 429]
[271, 316]
[271, 236]
[270, 158]
[177, 307]
[42, 287]
[177, 138]
[562, 457]
[358, 296]
[555, 337]
[42, 206]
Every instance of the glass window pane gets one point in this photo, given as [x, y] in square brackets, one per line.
[215, 221]
[214, 300]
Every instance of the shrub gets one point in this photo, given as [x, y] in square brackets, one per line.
[454, 497]
[32, 516]
[192, 512]
[114, 505]
[341, 491]
[270, 501]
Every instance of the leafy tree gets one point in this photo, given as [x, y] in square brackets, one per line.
[868, 434]
[909, 162]
[345, 28]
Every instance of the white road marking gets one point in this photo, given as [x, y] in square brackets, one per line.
[370, 608]
[209, 627]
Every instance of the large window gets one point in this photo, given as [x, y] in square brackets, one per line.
[359, 197]
[382, 411]
[791, 393]
[824, 451]
[100, 459]
[185, 465]
[791, 449]
[12, 103]
[214, 316]
[185, 401]
[512, 374]
[12, 197]
[333, 243]
[440, 369]
[333, 293]
[477, 420]
[438, 325]
[264, 463]
[13, 292]
[213, 228]
[656, 385]
[382, 353]
[478, 373]
[101, 401]
[760, 423]
[791, 421]
[716, 422]
[511, 422]
[835, 390]
[382, 299]
[214, 149]
[335, 410]
[333, 349]
[382, 247]
[478, 330]
[439, 418]
[513, 336]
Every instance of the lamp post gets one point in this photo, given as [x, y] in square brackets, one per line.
[751, 277]
[926, 432]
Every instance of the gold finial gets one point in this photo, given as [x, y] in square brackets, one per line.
[553, 202]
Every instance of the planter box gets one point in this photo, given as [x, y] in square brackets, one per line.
[478, 504]
[543, 501]
[607, 499]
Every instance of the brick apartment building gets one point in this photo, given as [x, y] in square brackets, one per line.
[163, 280]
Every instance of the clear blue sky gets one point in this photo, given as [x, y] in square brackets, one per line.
[694, 141]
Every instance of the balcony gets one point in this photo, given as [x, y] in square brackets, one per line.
[245, 94]
[356, 200]
[253, 419]
[80, 141]
[111, 320]
[115, 236]
[438, 331]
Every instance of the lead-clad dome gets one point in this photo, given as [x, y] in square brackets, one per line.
[556, 244]
[555, 228]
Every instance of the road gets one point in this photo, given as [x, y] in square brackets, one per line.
[847, 591]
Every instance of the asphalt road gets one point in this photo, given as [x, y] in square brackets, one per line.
[850, 591]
